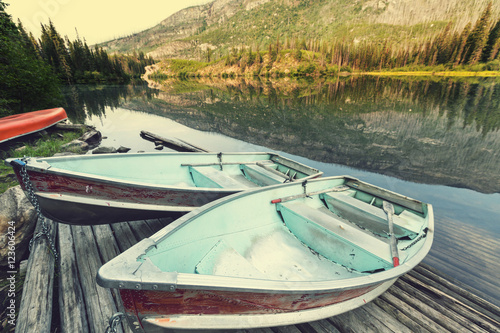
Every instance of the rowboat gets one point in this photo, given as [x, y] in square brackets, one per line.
[273, 256]
[101, 189]
[17, 125]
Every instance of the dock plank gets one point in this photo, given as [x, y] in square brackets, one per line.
[35, 312]
[99, 302]
[71, 304]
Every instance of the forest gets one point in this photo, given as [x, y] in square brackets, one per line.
[474, 48]
[33, 70]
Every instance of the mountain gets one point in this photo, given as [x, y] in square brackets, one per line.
[224, 24]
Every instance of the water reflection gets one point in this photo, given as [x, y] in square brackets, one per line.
[83, 101]
[424, 130]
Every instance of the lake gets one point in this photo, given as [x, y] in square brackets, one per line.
[436, 140]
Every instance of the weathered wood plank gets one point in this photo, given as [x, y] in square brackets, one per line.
[71, 303]
[454, 289]
[411, 311]
[319, 326]
[287, 329]
[140, 229]
[156, 224]
[173, 143]
[106, 243]
[441, 314]
[35, 311]
[124, 235]
[360, 321]
[487, 290]
[398, 315]
[443, 302]
[71, 127]
[99, 302]
[108, 249]
[386, 318]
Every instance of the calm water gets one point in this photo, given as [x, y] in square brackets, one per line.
[436, 141]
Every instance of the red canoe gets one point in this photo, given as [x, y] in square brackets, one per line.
[26, 123]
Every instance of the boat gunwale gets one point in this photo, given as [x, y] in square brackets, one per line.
[174, 280]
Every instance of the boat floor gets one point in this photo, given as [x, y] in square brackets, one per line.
[424, 300]
[277, 255]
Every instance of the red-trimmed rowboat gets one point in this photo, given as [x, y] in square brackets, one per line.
[101, 189]
[17, 125]
[273, 256]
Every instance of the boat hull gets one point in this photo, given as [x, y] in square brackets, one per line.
[17, 125]
[86, 190]
[86, 201]
[272, 256]
[216, 310]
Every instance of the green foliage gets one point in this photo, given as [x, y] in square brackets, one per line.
[478, 38]
[26, 82]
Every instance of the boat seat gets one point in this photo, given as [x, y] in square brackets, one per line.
[370, 217]
[262, 175]
[208, 176]
[335, 238]
[223, 259]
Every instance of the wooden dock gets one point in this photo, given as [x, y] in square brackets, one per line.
[65, 297]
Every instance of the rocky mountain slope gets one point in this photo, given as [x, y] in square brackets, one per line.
[223, 24]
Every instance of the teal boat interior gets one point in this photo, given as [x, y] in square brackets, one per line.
[318, 230]
[224, 170]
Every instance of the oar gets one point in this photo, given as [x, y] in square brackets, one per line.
[389, 210]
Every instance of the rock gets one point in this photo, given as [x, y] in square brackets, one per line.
[17, 224]
[65, 153]
[104, 150]
[123, 149]
[76, 146]
[91, 137]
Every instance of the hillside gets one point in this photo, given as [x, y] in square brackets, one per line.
[223, 24]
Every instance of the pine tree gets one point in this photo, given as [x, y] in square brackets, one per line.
[493, 44]
[460, 46]
[26, 82]
[478, 38]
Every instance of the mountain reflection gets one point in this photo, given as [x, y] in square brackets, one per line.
[441, 131]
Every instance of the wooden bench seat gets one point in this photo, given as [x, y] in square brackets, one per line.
[260, 174]
[211, 177]
[336, 238]
[371, 217]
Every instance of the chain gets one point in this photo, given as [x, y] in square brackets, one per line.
[34, 201]
[114, 321]
[422, 236]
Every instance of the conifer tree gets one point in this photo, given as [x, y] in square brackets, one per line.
[493, 45]
[460, 46]
[26, 82]
[478, 38]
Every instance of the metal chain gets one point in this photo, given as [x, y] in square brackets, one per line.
[422, 236]
[114, 321]
[34, 201]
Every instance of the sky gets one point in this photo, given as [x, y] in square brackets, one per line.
[95, 20]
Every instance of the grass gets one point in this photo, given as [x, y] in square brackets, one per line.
[47, 145]
[440, 73]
